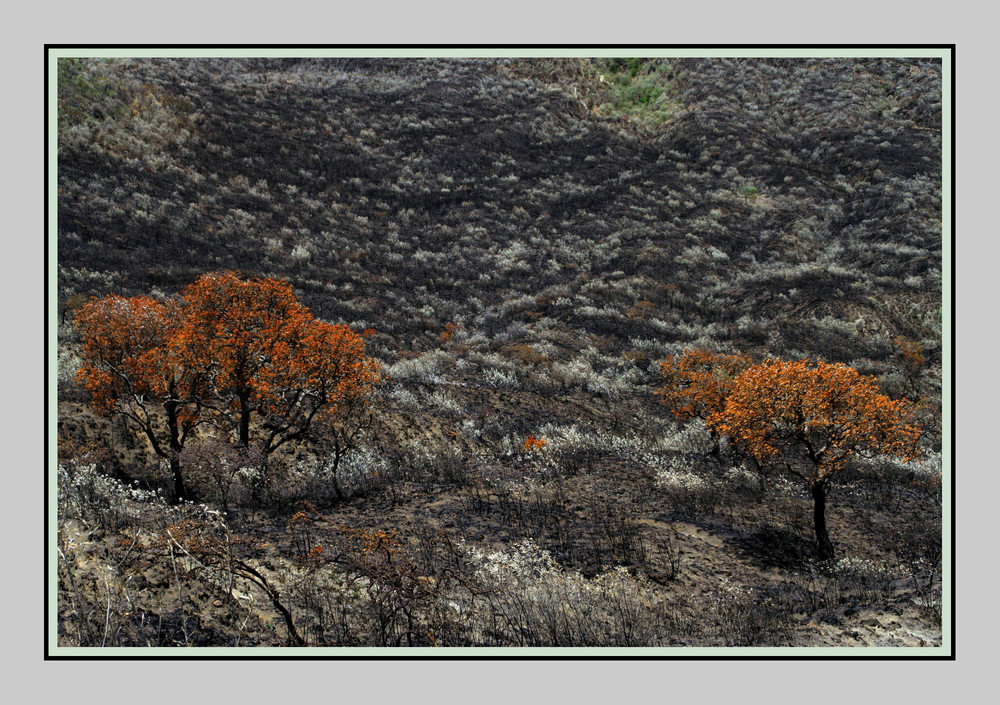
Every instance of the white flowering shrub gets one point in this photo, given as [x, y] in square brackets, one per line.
[893, 482]
[926, 467]
[576, 446]
[447, 464]
[748, 617]
[224, 475]
[743, 477]
[500, 378]
[689, 491]
[427, 368]
[444, 401]
[403, 397]
[679, 475]
[67, 365]
[864, 580]
[580, 372]
[692, 437]
[86, 494]
[300, 254]
[531, 600]
[361, 469]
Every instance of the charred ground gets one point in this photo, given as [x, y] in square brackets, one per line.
[576, 222]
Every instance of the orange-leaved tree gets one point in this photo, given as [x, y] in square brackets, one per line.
[251, 358]
[811, 419]
[697, 383]
[130, 368]
[262, 353]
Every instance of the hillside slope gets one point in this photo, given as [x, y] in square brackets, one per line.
[529, 239]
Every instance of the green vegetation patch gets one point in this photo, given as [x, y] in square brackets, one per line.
[635, 88]
[99, 92]
[89, 92]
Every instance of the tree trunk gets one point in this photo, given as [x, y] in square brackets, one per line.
[244, 422]
[716, 451]
[175, 468]
[175, 449]
[335, 475]
[824, 547]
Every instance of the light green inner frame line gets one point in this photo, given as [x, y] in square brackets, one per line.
[944, 54]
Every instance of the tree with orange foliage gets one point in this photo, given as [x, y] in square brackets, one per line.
[811, 419]
[697, 384]
[261, 353]
[130, 369]
[229, 349]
